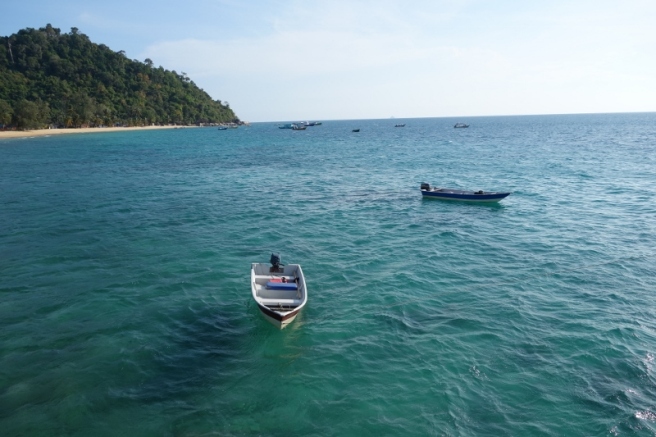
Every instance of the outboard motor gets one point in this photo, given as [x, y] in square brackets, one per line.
[425, 186]
[275, 260]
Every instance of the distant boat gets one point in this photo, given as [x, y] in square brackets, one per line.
[460, 125]
[400, 125]
[294, 126]
[429, 192]
[226, 126]
[355, 130]
[279, 291]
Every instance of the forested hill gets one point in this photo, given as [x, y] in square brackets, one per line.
[63, 79]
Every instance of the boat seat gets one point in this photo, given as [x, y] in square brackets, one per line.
[273, 285]
[283, 302]
[262, 276]
[282, 307]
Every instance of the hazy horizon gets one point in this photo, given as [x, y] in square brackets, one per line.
[454, 117]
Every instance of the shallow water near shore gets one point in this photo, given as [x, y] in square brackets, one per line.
[126, 308]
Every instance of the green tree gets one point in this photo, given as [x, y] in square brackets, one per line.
[6, 113]
[82, 109]
[27, 115]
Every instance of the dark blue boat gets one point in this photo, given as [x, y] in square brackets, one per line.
[429, 192]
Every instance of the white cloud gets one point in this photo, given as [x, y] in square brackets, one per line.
[290, 53]
[387, 57]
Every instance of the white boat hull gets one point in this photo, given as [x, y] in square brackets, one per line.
[278, 323]
[279, 302]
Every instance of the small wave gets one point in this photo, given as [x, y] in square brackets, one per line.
[645, 415]
[649, 361]
[476, 373]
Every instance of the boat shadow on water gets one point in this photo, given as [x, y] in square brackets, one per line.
[192, 342]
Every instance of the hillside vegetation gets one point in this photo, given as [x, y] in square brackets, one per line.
[49, 78]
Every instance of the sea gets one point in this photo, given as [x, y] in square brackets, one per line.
[126, 310]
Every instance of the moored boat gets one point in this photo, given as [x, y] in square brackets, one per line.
[293, 126]
[278, 290]
[481, 196]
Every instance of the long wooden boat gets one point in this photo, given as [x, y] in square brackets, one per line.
[278, 290]
[481, 196]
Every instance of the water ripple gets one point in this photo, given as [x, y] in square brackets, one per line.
[125, 300]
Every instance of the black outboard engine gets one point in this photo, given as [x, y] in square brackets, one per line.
[275, 260]
[425, 186]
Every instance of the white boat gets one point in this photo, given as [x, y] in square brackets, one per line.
[278, 290]
[293, 126]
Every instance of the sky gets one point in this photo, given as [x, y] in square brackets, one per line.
[336, 59]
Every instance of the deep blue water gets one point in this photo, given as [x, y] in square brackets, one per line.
[125, 305]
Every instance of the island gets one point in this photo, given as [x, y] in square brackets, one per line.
[54, 82]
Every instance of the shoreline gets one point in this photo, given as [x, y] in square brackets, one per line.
[47, 132]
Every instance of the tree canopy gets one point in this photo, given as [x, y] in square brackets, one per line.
[63, 79]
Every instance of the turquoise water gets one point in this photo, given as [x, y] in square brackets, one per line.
[124, 280]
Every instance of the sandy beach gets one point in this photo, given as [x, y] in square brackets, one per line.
[47, 132]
